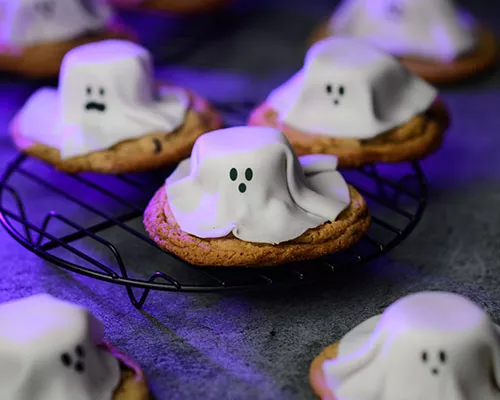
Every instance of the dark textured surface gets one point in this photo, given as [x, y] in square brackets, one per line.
[233, 346]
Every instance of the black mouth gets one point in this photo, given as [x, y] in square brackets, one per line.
[435, 371]
[92, 105]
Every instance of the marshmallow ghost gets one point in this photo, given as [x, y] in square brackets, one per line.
[28, 22]
[249, 182]
[432, 29]
[106, 95]
[429, 345]
[48, 352]
[350, 89]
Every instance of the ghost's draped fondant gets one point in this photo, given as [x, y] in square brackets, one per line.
[350, 89]
[429, 345]
[48, 351]
[28, 22]
[106, 95]
[433, 29]
[249, 182]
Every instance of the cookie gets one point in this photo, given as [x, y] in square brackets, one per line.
[39, 34]
[229, 251]
[316, 375]
[145, 153]
[463, 48]
[133, 384]
[245, 199]
[416, 139]
[343, 103]
[114, 131]
[426, 345]
[63, 353]
[172, 6]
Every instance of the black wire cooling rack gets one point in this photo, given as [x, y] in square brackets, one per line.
[91, 224]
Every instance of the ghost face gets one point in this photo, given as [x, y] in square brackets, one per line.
[49, 347]
[74, 360]
[85, 99]
[331, 99]
[85, 367]
[244, 178]
[439, 365]
[337, 92]
[95, 99]
[246, 184]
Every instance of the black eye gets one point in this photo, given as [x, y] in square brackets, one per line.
[249, 174]
[233, 174]
[80, 352]
[442, 356]
[328, 88]
[66, 359]
[89, 90]
[341, 90]
[424, 356]
[101, 91]
[80, 367]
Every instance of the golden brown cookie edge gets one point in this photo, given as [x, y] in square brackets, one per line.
[480, 60]
[415, 148]
[124, 157]
[43, 60]
[483, 58]
[316, 376]
[229, 251]
[133, 384]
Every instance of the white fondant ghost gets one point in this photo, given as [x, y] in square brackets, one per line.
[426, 346]
[106, 95]
[28, 22]
[350, 89]
[248, 181]
[48, 352]
[432, 29]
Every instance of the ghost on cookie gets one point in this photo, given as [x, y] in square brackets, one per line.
[248, 181]
[106, 95]
[348, 88]
[429, 345]
[430, 29]
[29, 22]
[48, 351]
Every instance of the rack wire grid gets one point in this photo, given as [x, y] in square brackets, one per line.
[91, 224]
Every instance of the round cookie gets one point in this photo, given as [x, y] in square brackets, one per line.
[425, 345]
[133, 384]
[230, 251]
[316, 375]
[172, 6]
[473, 48]
[121, 132]
[245, 199]
[419, 137]
[36, 49]
[338, 104]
